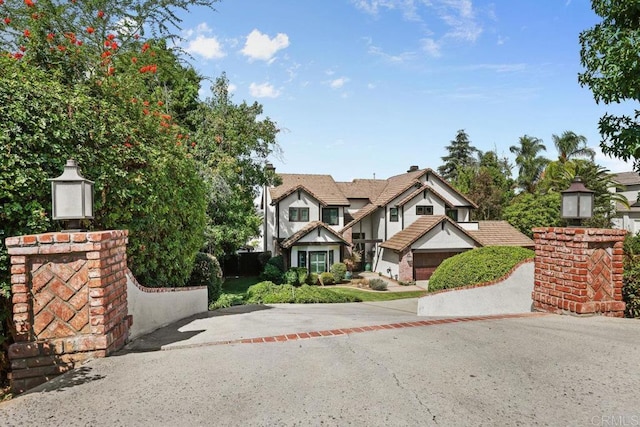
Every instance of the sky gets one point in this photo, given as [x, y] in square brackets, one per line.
[367, 88]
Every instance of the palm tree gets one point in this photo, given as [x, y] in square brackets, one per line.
[530, 163]
[571, 146]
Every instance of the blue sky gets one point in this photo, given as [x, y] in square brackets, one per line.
[364, 87]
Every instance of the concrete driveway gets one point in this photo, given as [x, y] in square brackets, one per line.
[544, 370]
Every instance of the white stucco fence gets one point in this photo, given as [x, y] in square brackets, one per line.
[508, 296]
[153, 308]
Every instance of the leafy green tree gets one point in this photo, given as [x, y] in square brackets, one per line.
[234, 142]
[609, 54]
[572, 146]
[527, 211]
[461, 154]
[529, 161]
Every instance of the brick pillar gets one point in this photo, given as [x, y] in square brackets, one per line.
[405, 269]
[69, 301]
[578, 271]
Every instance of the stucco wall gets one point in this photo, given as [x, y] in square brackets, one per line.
[388, 259]
[153, 308]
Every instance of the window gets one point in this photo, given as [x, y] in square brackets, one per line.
[452, 213]
[331, 257]
[302, 259]
[393, 214]
[424, 210]
[330, 216]
[317, 262]
[299, 214]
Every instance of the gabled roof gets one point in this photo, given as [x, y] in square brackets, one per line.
[449, 186]
[499, 233]
[489, 233]
[627, 178]
[397, 185]
[291, 240]
[363, 212]
[420, 190]
[321, 187]
[362, 188]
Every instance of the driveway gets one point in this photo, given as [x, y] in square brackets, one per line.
[531, 370]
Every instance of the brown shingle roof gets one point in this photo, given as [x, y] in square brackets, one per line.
[398, 184]
[362, 188]
[321, 187]
[363, 212]
[499, 233]
[291, 240]
[420, 190]
[489, 233]
[627, 178]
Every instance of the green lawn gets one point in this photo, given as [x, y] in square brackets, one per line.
[240, 285]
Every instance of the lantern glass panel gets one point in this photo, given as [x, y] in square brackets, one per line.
[570, 205]
[68, 199]
[586, 201]
[88, 200]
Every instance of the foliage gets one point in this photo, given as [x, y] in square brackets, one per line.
[461, 154]
[207, 272]
[527, 211]
[327, 278]
[572, 146]
[407, 283]
[530, 163]
[378, 296]
[631, 278]
[270, 293]
[234, 141]
[272, 273]
[226, 300]
[239, 285]
[290, 277]
[303, 275]
[338, 270]
[378, 284]
[312, 279]
[263, 258]
[477, 266]
[278, 262]
[352, 259]
[609, 52]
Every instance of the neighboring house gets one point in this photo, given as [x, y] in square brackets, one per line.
[404, 226]
[628, 218]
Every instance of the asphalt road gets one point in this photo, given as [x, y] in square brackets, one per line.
[551, 370]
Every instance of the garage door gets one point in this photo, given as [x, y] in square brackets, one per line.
[424, 264]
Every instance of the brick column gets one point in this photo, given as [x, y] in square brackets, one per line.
[69, 301]
[579, 271]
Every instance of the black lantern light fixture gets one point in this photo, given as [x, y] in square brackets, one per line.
[72, 197]
[577, 202]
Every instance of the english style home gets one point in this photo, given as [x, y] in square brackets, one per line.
[404, 226]
[628, 217]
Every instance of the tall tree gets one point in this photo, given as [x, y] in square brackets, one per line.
[461, 154]
[572, 146]
[529, 161]
[609, 53]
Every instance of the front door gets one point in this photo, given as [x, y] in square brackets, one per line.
[317, 262]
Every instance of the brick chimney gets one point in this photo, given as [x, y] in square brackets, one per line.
[413, 168]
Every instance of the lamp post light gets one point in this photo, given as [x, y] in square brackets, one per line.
[577, 202]
[72, 197]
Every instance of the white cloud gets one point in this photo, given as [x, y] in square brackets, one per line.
[263, 90]
[338, 83]
[431, 46]
[260, 47]
[207, 47]
[232, 87]
[203, 28]
[371, 86]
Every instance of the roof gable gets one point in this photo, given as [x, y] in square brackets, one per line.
[321, 187]
[407, 237]
[312, 226]
[418, 191]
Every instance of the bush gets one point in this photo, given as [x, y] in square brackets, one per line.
[226, 300]
[378, 284]
[291, 277]
[407, 283]
[327, 278]
[278, 262]
[263, 258]
[270, 293]
[303, 275]
[312, 279]
[339, 270]
[477, 266]
[256, 293]
[207, 272]
[271, 273]
[631, 277]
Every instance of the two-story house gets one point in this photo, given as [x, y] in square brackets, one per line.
[404, 226]
[628, 217]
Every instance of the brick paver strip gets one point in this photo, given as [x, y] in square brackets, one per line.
[355, 330]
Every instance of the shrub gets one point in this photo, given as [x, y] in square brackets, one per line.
[271, 273]
[378, 284]
[226, 300]
[631, 277]
[256, 293]
[269, 293]
[312, 279]
[407, 283]
[207, 272]
[327, 278]
[290, 277]
[263, 258]
[278, 262]
[339, 270]
[477, 266]
[303, 275]
[312, 294]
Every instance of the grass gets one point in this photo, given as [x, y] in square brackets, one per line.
[239, 286]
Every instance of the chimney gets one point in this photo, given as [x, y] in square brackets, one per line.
[269, 167]
[413, 168]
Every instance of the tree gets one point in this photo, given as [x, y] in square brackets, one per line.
[461, 154]
[530, 163]
[233, 145]
[572, 146]
[527, 211]
[609, 53]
